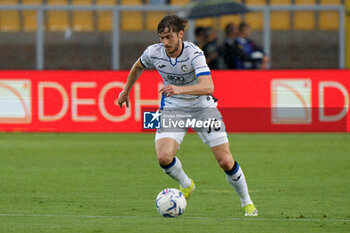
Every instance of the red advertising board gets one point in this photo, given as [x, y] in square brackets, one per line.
[250, 101]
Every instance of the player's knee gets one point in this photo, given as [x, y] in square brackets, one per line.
[164, 158]
[226, 163]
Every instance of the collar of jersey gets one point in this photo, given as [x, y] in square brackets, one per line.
[183, 46]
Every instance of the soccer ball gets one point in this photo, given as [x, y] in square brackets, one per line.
[171, 203]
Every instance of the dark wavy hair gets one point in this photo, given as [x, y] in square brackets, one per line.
[173, 22]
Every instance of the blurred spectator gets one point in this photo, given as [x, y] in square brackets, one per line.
[200, 37]
[229, 50]
[252, 56]
[211, 50]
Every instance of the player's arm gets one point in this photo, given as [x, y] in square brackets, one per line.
[204, 86]
[134, 74]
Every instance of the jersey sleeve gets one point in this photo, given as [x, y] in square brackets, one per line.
[145, 58]
[200, 65]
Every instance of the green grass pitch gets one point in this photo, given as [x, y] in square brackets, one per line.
[109, 182]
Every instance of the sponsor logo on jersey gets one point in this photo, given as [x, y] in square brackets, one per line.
[176, 80]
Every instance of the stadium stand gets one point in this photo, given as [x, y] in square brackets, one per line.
[88, 21]
[29, 17]
[105, 18]
[255, 19]
[152, 20]
[280, 20]
[82, 20]
[300, 54]
[9, 20]
[329, 20]
[179, 2]
[206, 22]
[304, 20]
[57, 20]
[225, 19]
[131, 21]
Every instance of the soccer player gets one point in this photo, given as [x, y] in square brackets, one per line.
[187, 85]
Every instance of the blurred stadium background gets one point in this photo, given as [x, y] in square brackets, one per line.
[91, 182]
[82, 39]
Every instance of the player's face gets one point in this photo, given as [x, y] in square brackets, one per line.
[171, 41]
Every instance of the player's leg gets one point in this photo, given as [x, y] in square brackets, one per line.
[217, 140]
[235, 177]
[166, 149]
[234, 173]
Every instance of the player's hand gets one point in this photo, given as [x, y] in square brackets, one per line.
[170, 90]
[123, 97]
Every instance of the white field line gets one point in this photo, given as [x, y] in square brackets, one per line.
[184, 218]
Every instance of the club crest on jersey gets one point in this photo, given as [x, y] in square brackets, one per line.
[184, 68]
